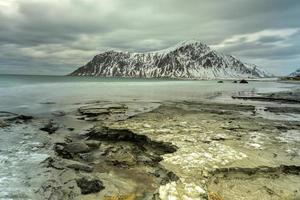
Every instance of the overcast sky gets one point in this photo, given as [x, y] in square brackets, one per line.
[57, 36]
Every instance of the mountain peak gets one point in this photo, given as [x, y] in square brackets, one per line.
[183, 44]
[187, 59]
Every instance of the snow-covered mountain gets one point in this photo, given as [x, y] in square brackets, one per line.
[186, 60]
[295, 74]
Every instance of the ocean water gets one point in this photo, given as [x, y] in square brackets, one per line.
[36, 95]
[27, 94]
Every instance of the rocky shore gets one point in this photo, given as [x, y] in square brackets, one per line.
[167, 150]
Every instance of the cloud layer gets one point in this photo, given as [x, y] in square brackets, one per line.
[57, 36]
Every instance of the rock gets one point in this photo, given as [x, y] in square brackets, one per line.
[89, 186]
[58, 113]
[8, 116]
[24, 117]
[59, 148]
[92, 111]
[220, 81]
[94, 144]
[3, 124]
[77, 147]
[125, 135]
[50, 127]
[80, 166]
[54, 163]
[243, 81]
[234, 82]
[48, 102]
[164, 176]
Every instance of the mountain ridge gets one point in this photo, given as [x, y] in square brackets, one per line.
[188, 59]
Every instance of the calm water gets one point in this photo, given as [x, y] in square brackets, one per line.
[27, 93]
[19, 157]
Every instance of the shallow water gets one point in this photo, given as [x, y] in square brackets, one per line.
[26, 93]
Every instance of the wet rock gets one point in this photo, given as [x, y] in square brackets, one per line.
[58, 113]
[93, 111]
[100, 112]
[24, 117]
[165, 176]
[234, 82]
[54, 189]
[120, 154]
[270, 99]
[13, 117]
[79, 166]
[243, 81]
[244, 181]
[77, 147]
[48, 103]
[93, 144]
[51, 190]
[220, 81]
[59, 148]
[62, 164]
[107, 134]
[50, 127]
[3, 124]
[282, 169]
[89, 186]
[54, 163]
[295, 110]
[290, 169]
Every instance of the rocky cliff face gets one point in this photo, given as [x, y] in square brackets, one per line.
[185, 60]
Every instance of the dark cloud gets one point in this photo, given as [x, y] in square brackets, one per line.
[56, 36]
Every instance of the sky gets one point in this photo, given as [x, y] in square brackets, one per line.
[55, 37]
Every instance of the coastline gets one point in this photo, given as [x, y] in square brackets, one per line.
[182, 148]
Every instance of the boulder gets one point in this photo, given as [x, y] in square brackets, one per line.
[50, 127]
[3, 124]
[89, 186]
[243, 81]
[77, 147]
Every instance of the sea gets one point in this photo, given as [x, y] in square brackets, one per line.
[30, 93]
